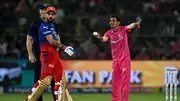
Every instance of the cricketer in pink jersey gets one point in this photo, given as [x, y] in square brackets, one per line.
[121, 56]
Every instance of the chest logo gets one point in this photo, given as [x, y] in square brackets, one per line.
[115, 39]
[45, 27]
[52, 29]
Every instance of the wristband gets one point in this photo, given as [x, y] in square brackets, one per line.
[63, 47]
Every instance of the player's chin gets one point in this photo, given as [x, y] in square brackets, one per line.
[112, 26]
[50, 21]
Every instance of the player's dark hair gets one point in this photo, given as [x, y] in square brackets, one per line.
[43, 6]
[115, 16]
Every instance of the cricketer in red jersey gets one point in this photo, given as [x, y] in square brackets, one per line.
[51, 66]
[121, 56]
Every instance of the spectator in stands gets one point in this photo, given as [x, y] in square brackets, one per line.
[84, 16]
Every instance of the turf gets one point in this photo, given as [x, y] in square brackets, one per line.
[90, 97]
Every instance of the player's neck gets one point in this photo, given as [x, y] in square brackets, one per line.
[115, 29]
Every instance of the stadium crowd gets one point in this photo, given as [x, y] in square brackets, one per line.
[157, 39]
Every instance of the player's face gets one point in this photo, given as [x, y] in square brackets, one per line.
[113, 22]
[42, 14]
[51, 16]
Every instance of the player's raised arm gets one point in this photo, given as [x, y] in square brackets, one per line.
[29, 41]
[98, 36]
[135, 24]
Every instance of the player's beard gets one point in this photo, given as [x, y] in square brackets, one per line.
[112, 26]
[50, 20]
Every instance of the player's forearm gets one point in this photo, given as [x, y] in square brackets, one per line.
[57, 44]
[103, 39]
[58, 39]
[98, 36]
[29, 46]
[131, 26]
[134, 25]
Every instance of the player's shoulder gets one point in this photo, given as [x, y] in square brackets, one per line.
[121, 27]
[44, 25]
[109, 31]
[124, 29]
[54, 23]
[37, 23]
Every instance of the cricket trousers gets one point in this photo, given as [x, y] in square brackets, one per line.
[121, 79]
[37, 73]
[51, 65]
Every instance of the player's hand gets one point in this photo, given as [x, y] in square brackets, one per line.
[57, 49]
[32, 59]
[138, 23]
[97, 35]
[69, 50]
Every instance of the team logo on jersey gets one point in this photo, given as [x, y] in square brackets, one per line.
[45, 27]
[115, 40]
[52, 29]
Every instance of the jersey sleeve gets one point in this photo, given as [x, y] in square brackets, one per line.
[107, 34]
[55, 26]
[45, 30]
[31, 30]
[126, 29]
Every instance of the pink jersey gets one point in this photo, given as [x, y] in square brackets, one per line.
[119, 43]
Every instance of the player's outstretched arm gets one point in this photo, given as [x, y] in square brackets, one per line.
[98, 36]
[134, 25]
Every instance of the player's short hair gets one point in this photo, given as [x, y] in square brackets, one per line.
[43, 6]
[115, 16]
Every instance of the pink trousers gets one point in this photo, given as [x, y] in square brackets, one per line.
[121, 79]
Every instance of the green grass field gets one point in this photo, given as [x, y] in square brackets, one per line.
[90, 97]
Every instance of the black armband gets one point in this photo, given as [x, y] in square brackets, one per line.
[63, 47]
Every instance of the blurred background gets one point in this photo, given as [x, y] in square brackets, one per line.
[153, 47]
